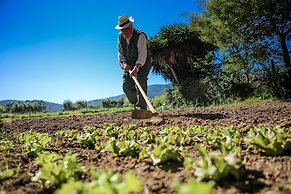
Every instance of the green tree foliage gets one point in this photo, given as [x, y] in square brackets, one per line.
[177, 53]
[253, 38]
[257, 22]
[81, 104]
[174, 98]
[159, 101]
[3, 109]
[25, 107]
[107, 103]
[69, 105]
[17, 107]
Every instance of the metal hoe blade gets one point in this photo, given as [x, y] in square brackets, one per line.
[141, 114]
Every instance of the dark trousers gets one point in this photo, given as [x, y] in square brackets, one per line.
[130, 89]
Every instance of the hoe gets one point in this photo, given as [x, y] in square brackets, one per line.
[143, 114]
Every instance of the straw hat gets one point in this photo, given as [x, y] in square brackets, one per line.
[123, 22]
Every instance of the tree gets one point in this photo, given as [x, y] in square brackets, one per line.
[17, 107]
[35, 106]
[255, 32]
[107, 103]
[3, 109]
[81, 104]
[68, 105]
[176, 53]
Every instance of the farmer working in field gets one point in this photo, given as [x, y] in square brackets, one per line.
[134, 60]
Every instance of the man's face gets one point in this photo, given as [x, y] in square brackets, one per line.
[127, 31]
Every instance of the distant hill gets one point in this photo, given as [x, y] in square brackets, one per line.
[157, 90]
[98, 102]
[51, 107]
[5, 102]
[153, 91]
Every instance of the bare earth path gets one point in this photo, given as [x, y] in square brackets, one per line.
[262, 171]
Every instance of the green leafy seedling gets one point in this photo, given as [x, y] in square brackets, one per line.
[273, 141]
[34, 142]
[105, 183]
[193, 187]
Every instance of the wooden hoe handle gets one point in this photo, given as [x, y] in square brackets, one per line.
[144, 96]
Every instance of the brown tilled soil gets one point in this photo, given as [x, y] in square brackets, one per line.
[263, 172]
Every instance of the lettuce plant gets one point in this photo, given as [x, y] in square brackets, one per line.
[6, 173]
[111, 130]
[124, 132]
[55, 171]
[217, 165]
[175, 135]
[70, 134]
[6, 145]
[105, 183]
[122, 147]
[129, 132]
[193, 187]
[163, 151]
[229, 137]
[273, 141]
[34, 142]
[47, 157]
[195, 131]
[145, 137]
[88, 139]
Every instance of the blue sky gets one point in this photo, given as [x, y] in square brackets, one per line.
[55, 50]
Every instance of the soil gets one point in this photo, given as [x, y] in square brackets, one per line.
[262, 172]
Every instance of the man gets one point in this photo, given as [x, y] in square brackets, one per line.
[134, 60]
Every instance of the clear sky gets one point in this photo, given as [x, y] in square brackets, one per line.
[55, 50]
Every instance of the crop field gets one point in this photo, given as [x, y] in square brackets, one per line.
[226, 149]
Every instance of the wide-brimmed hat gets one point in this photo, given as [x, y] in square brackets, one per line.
[123, 22]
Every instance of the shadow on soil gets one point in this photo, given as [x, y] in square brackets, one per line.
[172, 166]
[200, 116]
[48, 191]
[250, 183]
